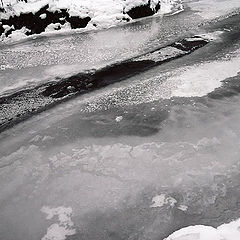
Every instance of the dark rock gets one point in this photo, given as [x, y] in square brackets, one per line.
[8, 32]
[77, 22]
[190, 44]
[1, 29]
[143, 11]
[61, 89]
[157, 8]
[89, 85]
[37, 25]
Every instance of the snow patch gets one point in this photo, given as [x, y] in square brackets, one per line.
[198, 232]
[43, 16]
[64, 227]
[212, 36]
[183, 208]
[57, 26]
[203, 78]
[167, 6]
[162, 200]
[16, 35]
[230, 231]
[119, 118]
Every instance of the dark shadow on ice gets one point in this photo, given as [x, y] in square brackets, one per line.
[107, 123]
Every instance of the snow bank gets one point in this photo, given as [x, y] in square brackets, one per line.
[37, 15]
[230, 231]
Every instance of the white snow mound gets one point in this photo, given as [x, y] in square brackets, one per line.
[230, 231]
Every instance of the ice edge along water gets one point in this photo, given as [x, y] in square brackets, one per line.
[197, 80]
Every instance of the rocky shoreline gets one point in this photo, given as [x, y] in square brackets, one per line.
[36, 23]
[44, 17]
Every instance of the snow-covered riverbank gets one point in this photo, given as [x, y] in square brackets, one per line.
[230, 231]
[19, 19]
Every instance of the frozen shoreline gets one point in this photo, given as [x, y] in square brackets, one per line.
[20, 105]
[20, 19]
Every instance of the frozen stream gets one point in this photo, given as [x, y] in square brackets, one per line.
[43, 59]
[139, 159]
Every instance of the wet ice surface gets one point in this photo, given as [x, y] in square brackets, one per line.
[37, 61]
[126, 186]
[45, 58]
[137, 171]
[127, 162]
